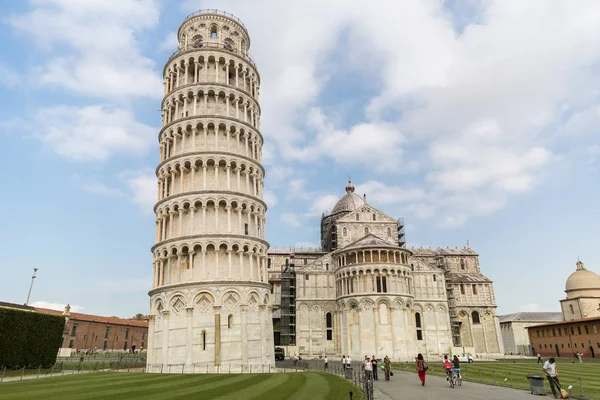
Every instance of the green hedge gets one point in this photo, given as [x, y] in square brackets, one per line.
[29, 338]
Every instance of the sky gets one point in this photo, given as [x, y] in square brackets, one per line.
[474, 120]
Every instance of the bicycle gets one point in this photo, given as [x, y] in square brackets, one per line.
[451, 378]
[458, 376]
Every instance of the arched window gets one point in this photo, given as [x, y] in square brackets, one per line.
[374, 217]
[418, 326]
[475, 316]
[329, 326]
[269, 262]
[366, 231]
[344, 232]
[203, 337]
[213, 32]
[572, 309]
[230, 321]
[462, 263]
[434, 278]
[357, 217]
[326, 266]
[389, 232]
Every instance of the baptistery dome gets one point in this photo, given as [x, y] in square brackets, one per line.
[582, 280]
[349, 202]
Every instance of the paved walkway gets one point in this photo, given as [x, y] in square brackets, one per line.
[406, 385]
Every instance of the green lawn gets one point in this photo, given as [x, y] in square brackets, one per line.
[122, 385]
[507, 373]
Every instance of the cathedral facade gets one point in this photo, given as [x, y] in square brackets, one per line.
[365, 292]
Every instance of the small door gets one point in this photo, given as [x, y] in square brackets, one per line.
[592, 352]
[557, 351]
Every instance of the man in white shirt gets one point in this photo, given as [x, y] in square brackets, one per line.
[325, 363]
[348, 362]
[552, 374]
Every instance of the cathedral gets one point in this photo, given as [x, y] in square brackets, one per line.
[365, 292]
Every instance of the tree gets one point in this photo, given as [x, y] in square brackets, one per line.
[139, 317]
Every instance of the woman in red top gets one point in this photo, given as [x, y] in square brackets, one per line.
[421, 368]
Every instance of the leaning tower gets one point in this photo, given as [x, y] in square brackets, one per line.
[209, 303]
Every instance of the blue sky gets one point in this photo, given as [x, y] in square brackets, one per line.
[473, 121]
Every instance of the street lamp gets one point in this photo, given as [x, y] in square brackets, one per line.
[31, 286]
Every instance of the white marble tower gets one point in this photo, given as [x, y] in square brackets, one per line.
[209, 303]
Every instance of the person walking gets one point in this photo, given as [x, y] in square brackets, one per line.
[344, 362]
[539, 356]
[552, 375]
[387, 368]
[374, 364]
[580, 357]
[421, 368]
[368, 368]
[348, 362]
[325, 364]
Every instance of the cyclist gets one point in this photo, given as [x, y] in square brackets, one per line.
[456, 367]
[447, 368]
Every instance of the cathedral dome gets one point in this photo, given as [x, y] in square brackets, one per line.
[350, 202]
[582, 280]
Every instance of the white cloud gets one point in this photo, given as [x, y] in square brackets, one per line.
[56, 306]
[143, 187]
[8, 77]
[321, 204]
[476, 111]
[291, 219]
[170, 43]
[92, 133]
[92, 47]
[270, 198]
[381, 193]
[102, 189]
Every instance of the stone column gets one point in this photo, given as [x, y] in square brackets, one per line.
[189, 334]
[229, 263]
[151, 345]
[217, 312]
[244, 333]
[165, 337]
[228, 208]
[263, 334]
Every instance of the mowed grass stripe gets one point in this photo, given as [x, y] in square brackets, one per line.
[74, 383]
[107, 390]
[66, 379]
[191, 385]
[295, 381]
[340, 387]
[234, 384]
[315, 387]
[256, 390]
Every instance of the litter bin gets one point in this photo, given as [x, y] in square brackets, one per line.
[536, 384]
